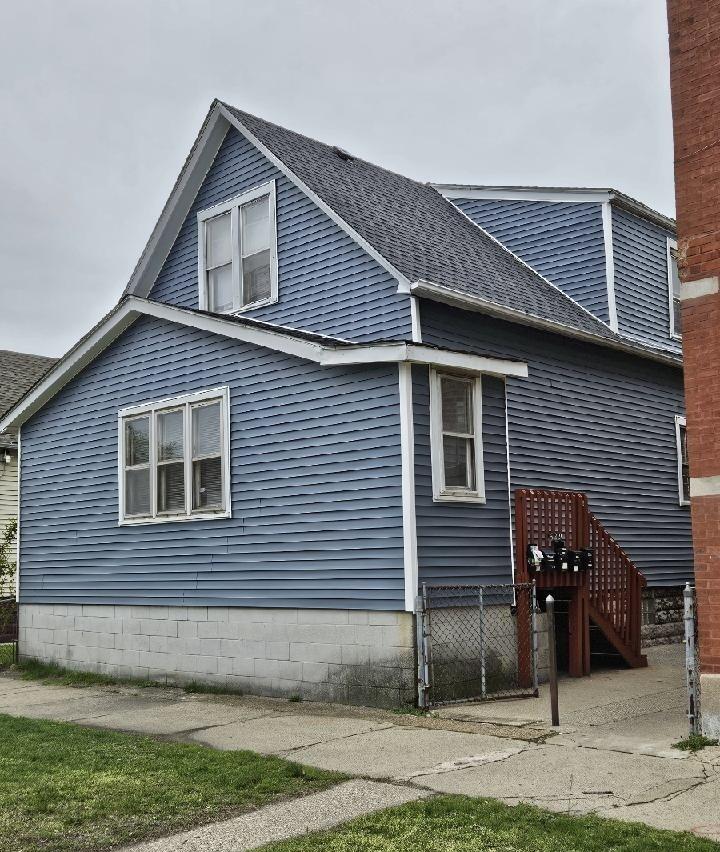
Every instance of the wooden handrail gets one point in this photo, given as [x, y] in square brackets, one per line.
[614, 583]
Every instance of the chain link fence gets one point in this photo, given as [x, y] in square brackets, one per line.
[476, 643]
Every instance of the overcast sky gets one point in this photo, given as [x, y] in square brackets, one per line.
[102, 99]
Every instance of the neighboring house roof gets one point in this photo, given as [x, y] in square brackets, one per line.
[577, 194]
[319, 348]
[18, 373]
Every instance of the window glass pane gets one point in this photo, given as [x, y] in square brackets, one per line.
[137, 441]
[171, 488]
[220, 289]
[206, 430]
[674, 274]
[255, 226]
[170, 435]
[677, 321]
[459, 463]
[218, 249]
[256, 277]
[207, 484]
[456, 406]
[137, 492]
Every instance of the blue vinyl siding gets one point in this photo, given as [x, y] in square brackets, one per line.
[316, 483]
[641, 278]
[592, 420]
[463, 542]
[326, 282]
[561, 240]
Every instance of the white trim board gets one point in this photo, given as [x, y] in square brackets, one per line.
[407, 451]
[447, 296]
[279, 340]
[515, 193]
[609, 264]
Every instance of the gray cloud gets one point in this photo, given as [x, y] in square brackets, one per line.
[102, 100]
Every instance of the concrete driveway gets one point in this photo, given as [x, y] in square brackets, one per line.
[612, 756]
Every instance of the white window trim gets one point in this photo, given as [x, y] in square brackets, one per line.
[671, 245]
[233, 206]
[150, 408]
[440, 492]
[680, 421]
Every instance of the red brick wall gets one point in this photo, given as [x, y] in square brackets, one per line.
[694, 28]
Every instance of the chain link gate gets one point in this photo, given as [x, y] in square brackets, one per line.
[8, 630]
[476, 643]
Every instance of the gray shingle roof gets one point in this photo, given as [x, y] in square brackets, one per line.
[419, 232]
[18, 373]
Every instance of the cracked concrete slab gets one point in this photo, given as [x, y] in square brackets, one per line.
[284, 733]
[166, 718]
[398, 752]
[315, 812]
[569, 779]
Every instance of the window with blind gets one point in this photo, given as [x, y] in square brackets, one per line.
[683, 464]
[237, 252]
[174, 459]
[456, 437]
[673, 276]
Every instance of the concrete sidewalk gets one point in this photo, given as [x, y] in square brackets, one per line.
[612, 757]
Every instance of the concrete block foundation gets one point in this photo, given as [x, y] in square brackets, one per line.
[710, 704]
[348, 656]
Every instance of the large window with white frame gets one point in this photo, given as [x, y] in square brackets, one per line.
[174, 458]
[456, 437]
[237, 252]
[683, 464]
[673, 278]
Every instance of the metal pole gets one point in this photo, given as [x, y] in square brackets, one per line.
[534, 647]
[552, 658]
[482, 645]
[690, 660]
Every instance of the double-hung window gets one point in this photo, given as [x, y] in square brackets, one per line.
[456, 437]
[683, 465]
[174, 459]
[673, 289]
[237, 252]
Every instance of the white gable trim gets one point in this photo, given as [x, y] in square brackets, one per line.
[609, 264]
[516, 193]
[280, 340]
[178, 205]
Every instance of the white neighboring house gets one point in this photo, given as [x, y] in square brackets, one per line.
[18, 373]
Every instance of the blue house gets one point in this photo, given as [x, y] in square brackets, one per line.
[322, 387]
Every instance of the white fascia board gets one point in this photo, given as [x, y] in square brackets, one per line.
[183, 194]
[475, 303]
[403, 282]
[82, 354]
[514, 193]
[412, 353]
[113, 325]
[274, 340]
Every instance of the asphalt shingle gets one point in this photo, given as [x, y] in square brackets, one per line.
[18, 373]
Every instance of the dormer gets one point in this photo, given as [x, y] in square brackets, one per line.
[610, 253]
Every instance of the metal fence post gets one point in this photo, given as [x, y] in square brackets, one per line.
[483, 684]
[534, 644]
[422, 650]
[552, 657]
[691, 673]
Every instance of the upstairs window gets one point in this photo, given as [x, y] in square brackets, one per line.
[456, 437]
[174, 459]
[237, 254]
[673, 288]
[683, 465]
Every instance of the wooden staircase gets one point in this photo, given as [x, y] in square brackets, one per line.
[608, 595]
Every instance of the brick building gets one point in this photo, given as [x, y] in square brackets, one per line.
[694, 28]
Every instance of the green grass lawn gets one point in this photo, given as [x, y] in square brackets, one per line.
[63, 787]
[459, 824]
